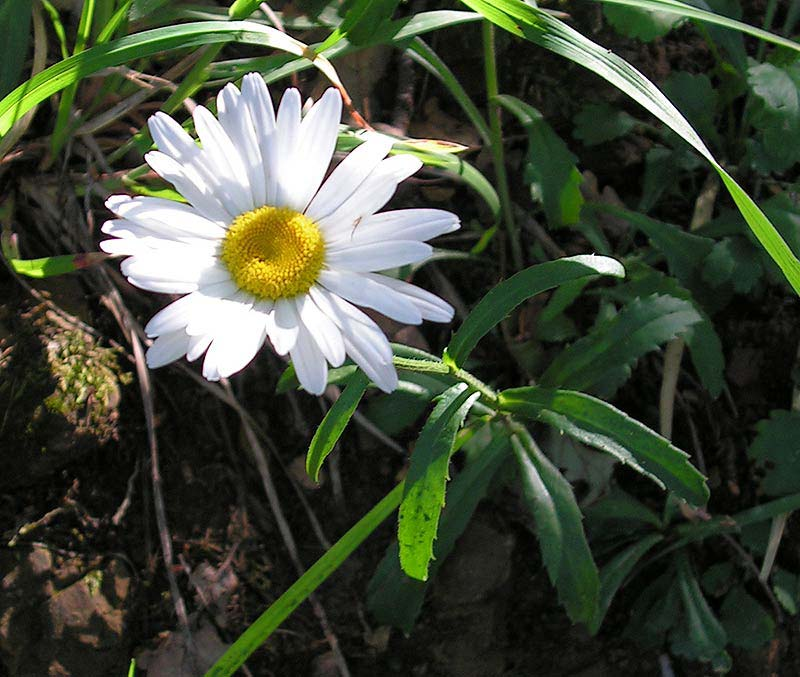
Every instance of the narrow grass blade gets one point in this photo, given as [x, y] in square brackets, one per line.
[543, 29]
[56, 265]
[140, 45]
[682, 9]
[267, 622]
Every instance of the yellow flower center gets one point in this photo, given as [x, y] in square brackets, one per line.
[273, 252]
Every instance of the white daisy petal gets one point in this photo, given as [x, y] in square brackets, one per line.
[370, 292]
[364, 342]
[430, 306]
[163, 287]
[348, 175]
[223, 156]
[197, 191]
[287, 130]
[234, 115]
[402, 224]
[166, 218]
[315, 146]
[322, 329]
[234, 347]
[256, 97]
[166, 349]
[173, 317]
[283, 326]
[173, 141]
[309, 363]
[377, 256]
[198, 345]
[374, 192]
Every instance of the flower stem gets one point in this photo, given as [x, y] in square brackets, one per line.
[430, 367]
[498, 156]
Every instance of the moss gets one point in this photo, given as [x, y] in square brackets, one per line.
[87, 382]
[59, 394]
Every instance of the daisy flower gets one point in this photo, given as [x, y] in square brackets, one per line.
[265, 249]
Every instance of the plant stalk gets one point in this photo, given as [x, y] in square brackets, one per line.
[498, 156]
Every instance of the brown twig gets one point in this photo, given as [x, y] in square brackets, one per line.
[286, 534]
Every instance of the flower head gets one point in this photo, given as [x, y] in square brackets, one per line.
[266, 249]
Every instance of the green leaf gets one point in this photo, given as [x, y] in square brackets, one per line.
[734, 261]
[776, 449]
[141, 45]
[633, 22]
[601, 425]
[559, 528]
[549, 165]
[394, 598]
[15, 27]
[142, 8]
[655, 611]
[777, 113]
[601, 361]
[56, 265]
[746, 623]
[613, 574]
[597, 123]
[423, 497]
[620, 506]
[696, 98]
[398, 410]
[705, 346]
[334, 423]
[507, 295]
[364, 18]
[700, 636]
[268, 622]
[537, 26]
[682, 9]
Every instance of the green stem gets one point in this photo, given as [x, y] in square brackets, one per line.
[498, 156]
[267, 622]
[430, 367]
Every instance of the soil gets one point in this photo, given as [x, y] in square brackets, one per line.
[84, 589]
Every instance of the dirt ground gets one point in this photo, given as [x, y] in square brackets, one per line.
[84, 589]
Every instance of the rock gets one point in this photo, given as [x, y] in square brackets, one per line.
[78, 629]
[171, 658]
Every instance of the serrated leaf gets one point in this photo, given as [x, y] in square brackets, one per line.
[396, 411]
[507, 295]
[597, 123]
[777, 113]
[334, 423]
[549, 165]
[746, 623]
[394, 598]
[705, 346]
[613, 574]
[423, 497]
[655, 612]
[604, 427]
[776, 449]
[644, 25]
[701, 636]
[559, 528]
[602, 360]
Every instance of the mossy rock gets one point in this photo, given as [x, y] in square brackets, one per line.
[59, 395]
